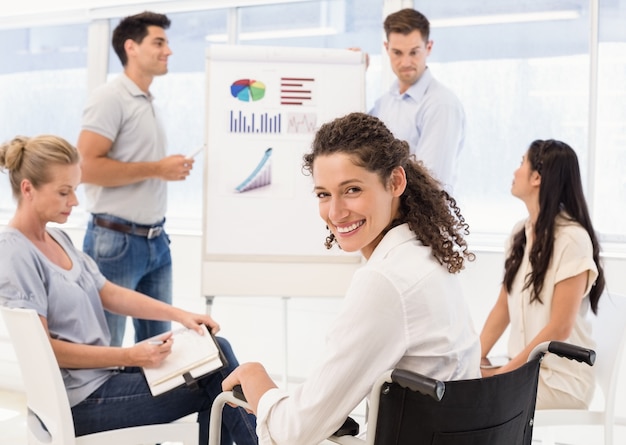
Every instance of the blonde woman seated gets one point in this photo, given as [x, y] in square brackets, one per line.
[41, 269]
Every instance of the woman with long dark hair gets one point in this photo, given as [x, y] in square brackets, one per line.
[552, 275]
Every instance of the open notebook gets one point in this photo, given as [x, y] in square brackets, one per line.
[193, 356]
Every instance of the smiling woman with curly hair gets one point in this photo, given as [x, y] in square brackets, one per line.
[404, 308]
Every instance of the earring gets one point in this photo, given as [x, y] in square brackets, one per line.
[330, 239]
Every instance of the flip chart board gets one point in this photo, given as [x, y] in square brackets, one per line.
[262, 234]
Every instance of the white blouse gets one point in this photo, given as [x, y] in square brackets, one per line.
[403, 309]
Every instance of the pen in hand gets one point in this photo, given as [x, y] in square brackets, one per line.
[195, 153]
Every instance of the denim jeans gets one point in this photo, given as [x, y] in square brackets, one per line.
[135, 262]
[125, 400]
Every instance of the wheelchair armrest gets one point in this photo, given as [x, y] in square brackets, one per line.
[238, 393]
[215, 424]
[572, 352]
[566, 350]
[420, 383]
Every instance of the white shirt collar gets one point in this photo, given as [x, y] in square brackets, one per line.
[396, 236]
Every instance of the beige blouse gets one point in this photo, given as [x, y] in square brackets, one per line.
[572, 255]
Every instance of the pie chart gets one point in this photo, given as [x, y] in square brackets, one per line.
[247, 90]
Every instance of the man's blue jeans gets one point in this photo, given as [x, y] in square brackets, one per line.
[135, 262]
[125, 400]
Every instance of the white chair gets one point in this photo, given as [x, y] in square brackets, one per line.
[49, 417]
[609, 332]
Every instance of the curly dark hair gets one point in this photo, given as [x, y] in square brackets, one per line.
[560, 191]
[135, 27]
[431, 213]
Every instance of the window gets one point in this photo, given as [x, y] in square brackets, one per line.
[43, 83]
[610, 161]
[522, 71]
[321, 24]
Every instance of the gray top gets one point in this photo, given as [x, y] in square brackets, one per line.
[122, 113]
[69, 299]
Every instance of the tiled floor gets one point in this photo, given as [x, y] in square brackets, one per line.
[13, 426]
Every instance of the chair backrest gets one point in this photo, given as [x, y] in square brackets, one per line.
[490, 411]
[49, 417]
[609, 333]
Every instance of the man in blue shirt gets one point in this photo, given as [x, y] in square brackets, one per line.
[417, 108]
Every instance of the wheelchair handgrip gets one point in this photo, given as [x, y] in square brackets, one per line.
[572, 352]
[238, 393]
[420, 383]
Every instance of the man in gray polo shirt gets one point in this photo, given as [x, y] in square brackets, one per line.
[125, 168]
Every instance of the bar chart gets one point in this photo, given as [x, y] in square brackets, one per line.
[254, 122]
